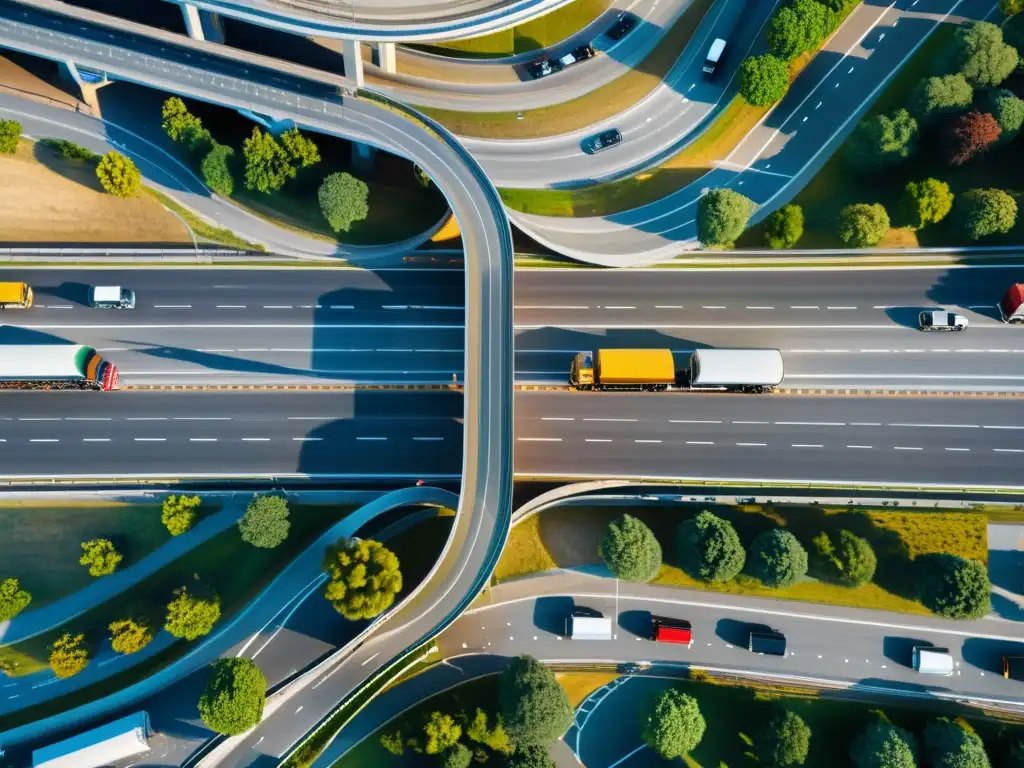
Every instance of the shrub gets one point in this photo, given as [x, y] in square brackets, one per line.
[535, 708]
[784, 740]
[949, 744]
[674, 726]
[883, 745]
[189, 617]
[13, 599]
[442, 732]
[68, 655]
[722, 215]
[118, 175]
[926, 202]
[880, 142]
[265, 522]
[393, 742]
[979, 54]
[343, 200]
[970, 135]
[10, 134]
[232, 701]
[496, 738]
[937, 97]
[530, 757]
[179, 513]
[100, 556]
[983, 212]
[845, 558]
[709, 548]
[363, 578]
[763, 80]
[630, 550]
[785, 227]
[70, 150]
[953, 586]
[777, 558]
[863, 224]
[456, 756]
[216, 169]
[1008, 111]
[130, 635]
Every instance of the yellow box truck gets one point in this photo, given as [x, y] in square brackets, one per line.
[643, 370]
[15, 296]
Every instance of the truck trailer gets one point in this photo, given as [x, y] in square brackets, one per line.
[55, 366]
[15, 296]
[102, 746]
[1011, 308]
[736, 370]
[588, 627]
[642, 370]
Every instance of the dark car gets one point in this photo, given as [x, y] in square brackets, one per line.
[622, 26]
[768, 641]
[543, 67]
[603, 140]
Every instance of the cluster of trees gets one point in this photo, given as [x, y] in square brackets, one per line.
[532, 712]
[945, 743]
[363, 578]
[795, 29]
[960, 114]
[268, 164]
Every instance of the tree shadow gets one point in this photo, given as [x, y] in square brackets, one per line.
[977, 290]
[82, 172]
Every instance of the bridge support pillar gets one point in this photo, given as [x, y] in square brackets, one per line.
[202, 25]
[363, 156]
[352, 51]
[384, 57]
[88, 82]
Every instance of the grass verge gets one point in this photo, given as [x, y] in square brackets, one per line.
[579, 685]
[601, 103]
[205, 232]
[569, 537]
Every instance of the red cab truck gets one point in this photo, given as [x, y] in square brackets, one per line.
[667, 630]
[1012, 306]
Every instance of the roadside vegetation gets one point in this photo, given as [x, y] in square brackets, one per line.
[907, 560]
[532, 35]
[936, 160]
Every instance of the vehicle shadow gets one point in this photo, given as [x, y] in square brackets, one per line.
[906, 316]
[636, 622]
[900, 649]
[987, 655]
[736, 632]
[550, 614]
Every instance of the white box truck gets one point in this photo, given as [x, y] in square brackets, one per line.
[736, 370]
[588, 627]
[101, 746]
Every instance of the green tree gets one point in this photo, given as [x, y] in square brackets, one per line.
[863, 224]
[880, 142]
[1008, 111]
[630, 549]
[979, 54]
[216, 169]
[926, 202]
[179, 513]
[130, 635]
[937, 97]
[953, 586]
[785, 227]
[953, 744]
[674, 725]
[189, 617]
[496, 738]
[68, 655]
[343, 200]
[101, 557]
[1011, 7]
[267, 166]
[364, 578]
[763, 80]
[118, 175]
[301, 150]
[10, 133]
[442, 732]
[530, 757]
[983, 212]
[534, 707]
[177, 119]
[883, 745]
[13, 599]
[393, 742]
[197, 140]
[709, 548]
[799, 28]
[456, 756]
[232, 701]
[265, 523]
[845, 558]
[784, 740]
[777, 558]
[722, 215]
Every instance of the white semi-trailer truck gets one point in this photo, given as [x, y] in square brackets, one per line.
[119, 740]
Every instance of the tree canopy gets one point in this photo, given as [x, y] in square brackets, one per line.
[10, 134]
[763, 80]
[722, 215]
[799, 28]
[118, 175]
[442, 732]
[952, 744]
[983, 212]
[777, 558]
[232, 701]
[267, 165]
[130, 635]
[189, 617]
[978, 52]
[926, 202]
[970, 135]
[1008, 110]
[674, 726]
[845, 558]
[456, 756]
[863, 224]
[100, 556]
[783, 741]
[216, 169]
[363, 578]
[882, 745]
[69, 655]
[530, 757]
[953, 586]
[709, 548]
[937, 97]
[630, 549]
[300, 149]
[13, 599]
[177, 118]
[880, 142]
[343, 200]
[265, 523]
[495, 738]
[179, 513]
[785, 227]
[534, 706]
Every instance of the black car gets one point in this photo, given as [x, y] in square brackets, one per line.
[542, 68]
[603, 140]
[622, 26]
[767, 641]
[583, 52]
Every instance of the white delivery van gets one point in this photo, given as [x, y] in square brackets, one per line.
[929, 660]
[588, 627]
[111, 297]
